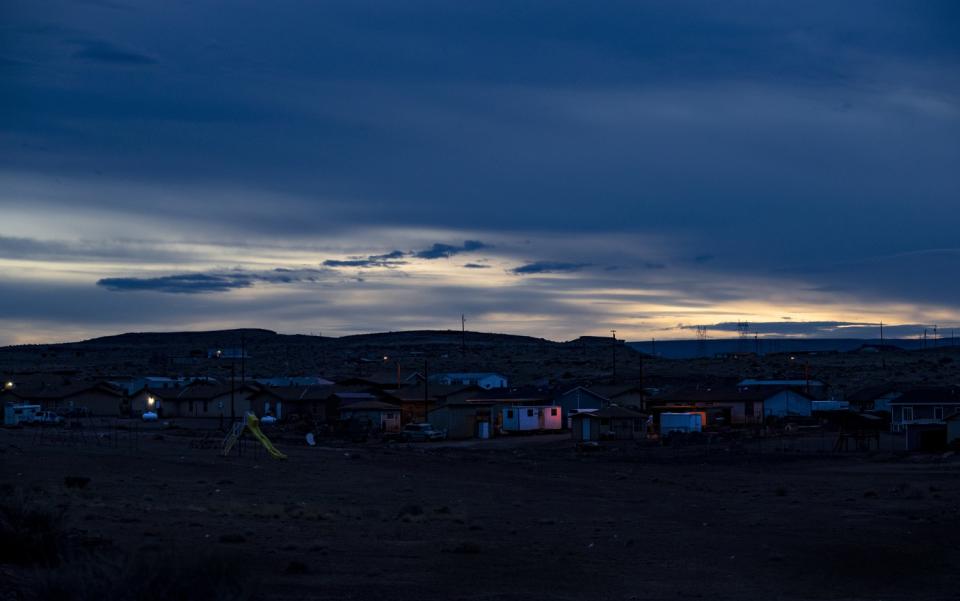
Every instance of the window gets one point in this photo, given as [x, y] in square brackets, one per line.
[908, 414]
[509, 413]
[389, 416]
[529, 412]
[553, 411]
[938, 413]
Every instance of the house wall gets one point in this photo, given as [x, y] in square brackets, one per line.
[382, 420]
[953, 430]
[623, 428]
[922, 414]
[629, 399]
[458, 421]
[96, 402]
[214, 407]
[585, 428]
[579, 399]
[139, 404]
[521, 418]
[882, 403]
[740, 412]
[551, 418]
[786, 403]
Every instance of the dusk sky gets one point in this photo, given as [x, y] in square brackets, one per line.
[547, 168]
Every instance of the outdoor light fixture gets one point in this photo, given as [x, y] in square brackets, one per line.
[8, 385]
[150, 400]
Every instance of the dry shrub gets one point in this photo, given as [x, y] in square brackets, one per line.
[31, 532]
[152, 574]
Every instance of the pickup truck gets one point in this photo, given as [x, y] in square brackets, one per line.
[425, 432]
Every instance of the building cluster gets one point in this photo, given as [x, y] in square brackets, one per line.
[482, 405]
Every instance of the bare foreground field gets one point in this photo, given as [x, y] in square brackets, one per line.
[525, 520]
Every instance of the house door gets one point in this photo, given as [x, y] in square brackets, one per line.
[586, 429]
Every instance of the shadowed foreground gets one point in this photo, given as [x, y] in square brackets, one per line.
[537, 521]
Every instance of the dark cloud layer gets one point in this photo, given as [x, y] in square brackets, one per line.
[547, 267]
[196, 283]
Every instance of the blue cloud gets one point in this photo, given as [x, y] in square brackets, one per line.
[105, 52]
[547, 267]
[391, 259]
[444, 251]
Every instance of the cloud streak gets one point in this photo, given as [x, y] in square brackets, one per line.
[201, 283]
[547, 267]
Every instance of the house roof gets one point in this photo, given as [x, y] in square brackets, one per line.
[933, 395]
[52, 392]
[514, 395]
[613, 412]
[719, 394]
[297, 393]
[369, 406]
[434, 391]
[870, 393]
[779, 383]
[203, 391]
[467, 375]
[583, 390]
[611, 391]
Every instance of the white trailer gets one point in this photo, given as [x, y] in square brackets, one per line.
[14, 415]
[521, 418]
[680, 422]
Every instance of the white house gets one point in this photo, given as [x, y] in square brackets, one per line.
[485, 380]
[924, 406]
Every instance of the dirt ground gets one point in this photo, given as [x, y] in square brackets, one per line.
[536, 521]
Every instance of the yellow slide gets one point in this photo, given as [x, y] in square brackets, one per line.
[253, 424]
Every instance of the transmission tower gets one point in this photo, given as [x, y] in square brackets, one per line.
[743, 330]
[702, 341]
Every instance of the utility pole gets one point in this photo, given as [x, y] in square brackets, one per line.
[653, 347]
[243, 358]
[426, 388]
[463, 335]
[614, 332]
[233, 381]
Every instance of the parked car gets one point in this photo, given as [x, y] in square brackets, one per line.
[426, 432]
[48, 418]
[150, 416]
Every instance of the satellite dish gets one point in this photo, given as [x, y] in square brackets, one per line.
[311, 440]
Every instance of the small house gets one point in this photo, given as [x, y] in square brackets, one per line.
[610, 423]
[578, 400]
[924, 406]
[380, 416]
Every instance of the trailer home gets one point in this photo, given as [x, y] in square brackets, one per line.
[521, 418]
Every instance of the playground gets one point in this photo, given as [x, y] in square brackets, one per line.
[537, 520]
